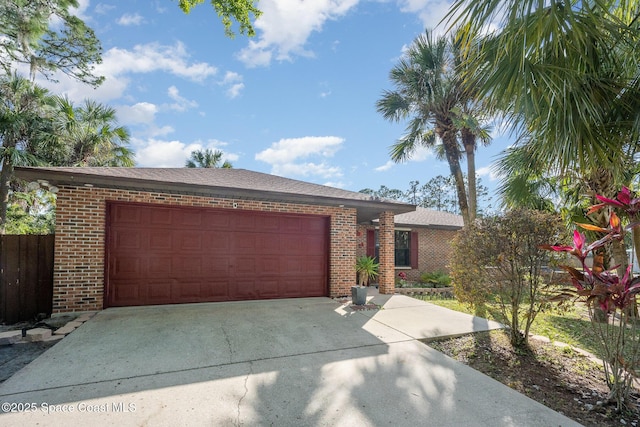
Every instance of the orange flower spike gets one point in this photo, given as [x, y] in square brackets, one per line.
[614, 221]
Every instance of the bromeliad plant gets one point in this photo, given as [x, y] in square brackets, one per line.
[610, 298]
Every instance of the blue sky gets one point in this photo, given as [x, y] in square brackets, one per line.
[297, 100]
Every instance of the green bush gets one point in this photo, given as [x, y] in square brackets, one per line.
[439, 279]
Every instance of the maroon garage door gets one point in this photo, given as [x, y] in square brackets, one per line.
[167, 255]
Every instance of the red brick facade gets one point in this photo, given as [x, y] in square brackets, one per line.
[434, 249]
[80, 239]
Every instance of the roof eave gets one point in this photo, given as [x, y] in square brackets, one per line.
[367, 210]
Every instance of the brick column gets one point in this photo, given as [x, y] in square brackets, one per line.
[386, 280]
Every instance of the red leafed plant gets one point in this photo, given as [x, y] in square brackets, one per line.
[611, 299]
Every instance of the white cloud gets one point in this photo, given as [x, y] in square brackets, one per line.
[102, 8]
[129, 19]
[386, 166]
[142, 112]
[167, 154]
[234, 90]
[430, 12]
[81, 9]
[285, 26]
[488, 171]
[287, 156]
[118, 64]
[335, 184]
[155, 57]
[181, 103]
[234, 84]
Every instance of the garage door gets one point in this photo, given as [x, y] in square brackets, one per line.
[168, 255]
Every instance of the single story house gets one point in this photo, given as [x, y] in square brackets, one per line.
[142, 236]
[422, 241]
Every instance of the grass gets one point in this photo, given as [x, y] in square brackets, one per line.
[572, 326]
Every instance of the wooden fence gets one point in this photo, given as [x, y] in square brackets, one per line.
[26, 277]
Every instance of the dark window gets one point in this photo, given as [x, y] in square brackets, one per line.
[402, 248]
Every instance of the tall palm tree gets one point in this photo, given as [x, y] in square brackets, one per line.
[89, 135]
[566, 75]
[428, 91]
[24, 108]
[207, 159]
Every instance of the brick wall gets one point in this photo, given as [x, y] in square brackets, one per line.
[433, 252]
[386, 279]
[80, 240]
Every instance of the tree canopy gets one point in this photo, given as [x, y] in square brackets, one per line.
[28, 37]
[229, 11]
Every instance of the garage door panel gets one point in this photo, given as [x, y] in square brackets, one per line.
[187, 219]
[168, 254]
[243, 242]
[127, 267]
[159, 266]
[160, 217]
[187, 267]
[217, 220]
[245, 265]
[160, 241]
[216, 290]
[216, 268]
[268, 288]
[124, 214]
[245, 222]
[217, 241]
[128, 240]
[269, 265]
[187, 241]
[186, 290]
[243, 289]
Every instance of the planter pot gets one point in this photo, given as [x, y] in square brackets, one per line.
[359, 295]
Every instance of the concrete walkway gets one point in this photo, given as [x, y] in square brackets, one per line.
[298, 362]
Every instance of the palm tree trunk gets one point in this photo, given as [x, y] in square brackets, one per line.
[469, 142]
[5, 178]
[452, 153]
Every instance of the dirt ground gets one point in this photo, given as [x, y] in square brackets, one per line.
[16, 356]
[562, 379]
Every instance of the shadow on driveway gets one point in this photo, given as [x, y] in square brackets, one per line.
[303, 362]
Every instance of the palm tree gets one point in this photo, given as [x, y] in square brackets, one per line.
[207, 159]
[575, 113]
[566, 75]
[90, 136]
[24, 108]
[431, 93]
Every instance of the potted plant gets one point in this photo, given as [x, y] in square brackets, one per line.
[366, 269]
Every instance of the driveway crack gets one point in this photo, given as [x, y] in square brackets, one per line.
[246, 391]
[226, 338]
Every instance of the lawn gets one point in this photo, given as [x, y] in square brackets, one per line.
[572, 326]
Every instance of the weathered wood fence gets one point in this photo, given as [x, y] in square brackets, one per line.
[26, 277]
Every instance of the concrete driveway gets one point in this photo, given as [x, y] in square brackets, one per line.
[298, 362]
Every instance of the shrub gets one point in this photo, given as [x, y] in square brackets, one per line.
[499, 258]
[610, 298]
[366, 269]
[439, 279]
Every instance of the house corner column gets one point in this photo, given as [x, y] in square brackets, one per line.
[386, 280]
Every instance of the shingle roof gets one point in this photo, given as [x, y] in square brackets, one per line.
[423, 217]
[238, 183]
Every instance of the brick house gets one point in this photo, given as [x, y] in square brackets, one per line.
[422, 241]
[140, 236]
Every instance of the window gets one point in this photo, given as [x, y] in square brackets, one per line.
[402, 248]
